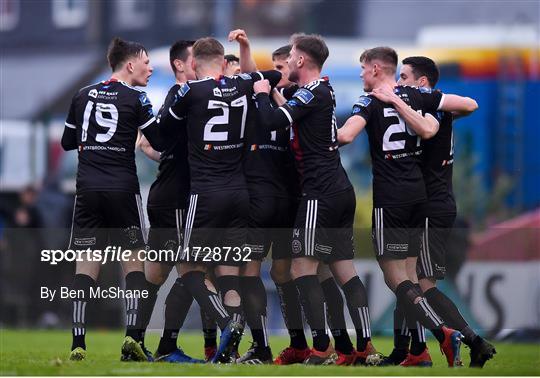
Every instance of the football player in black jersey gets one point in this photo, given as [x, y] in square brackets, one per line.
[166, 211]
[273, 185]
[440, 212]
[217, 109]
[103, 124]
[324, 221]
[396, 118]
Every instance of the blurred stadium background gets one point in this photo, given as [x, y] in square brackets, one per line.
[488, 50]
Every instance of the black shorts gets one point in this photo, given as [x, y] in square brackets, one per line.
[107, 218]
[323, 227]
[396, 231]
[432, 257]
[216, 227]
[166, 231]
[271, 222]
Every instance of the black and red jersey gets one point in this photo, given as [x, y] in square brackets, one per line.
[218, 112]
[106, 118]
[394, 147]
[311, 112]
[171, 187]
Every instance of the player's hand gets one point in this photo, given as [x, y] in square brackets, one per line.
[261, 86]
[385, 94]
[240, 36]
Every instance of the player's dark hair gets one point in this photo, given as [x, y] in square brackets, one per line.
[179, 50]
[423, 66]
[313, 45]
[208, 48]
[231, 58]
[282, 53]
[383, 54]
[120, 51]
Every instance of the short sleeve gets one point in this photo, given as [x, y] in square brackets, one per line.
[363, 107]
[145, 113]
[178, 107]
[432, 100]
[71, 120]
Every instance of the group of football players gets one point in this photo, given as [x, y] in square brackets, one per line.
[249, 162]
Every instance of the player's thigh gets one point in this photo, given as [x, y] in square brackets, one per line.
[165, 234]
[89, 268]
[432, 259]
[390, 232]
[88, 223]
[156, 272]
[282, 228]
[235, 226]
[125, 219]
[261, 212]
[339, 233]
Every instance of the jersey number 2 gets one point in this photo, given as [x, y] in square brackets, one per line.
[108, 123]
[400, 127]
[222, 136]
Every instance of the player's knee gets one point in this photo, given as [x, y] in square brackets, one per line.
[229, 287]
[281, 271]
[427, 283]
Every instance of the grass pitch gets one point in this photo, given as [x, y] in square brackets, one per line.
[25, 352]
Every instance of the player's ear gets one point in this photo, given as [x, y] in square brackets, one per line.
[193, 64]
[224, 64]
[179, 65]
[130, 67]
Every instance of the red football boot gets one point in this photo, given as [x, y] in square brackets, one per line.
[422, 360]
[450, 347]
[290, 355]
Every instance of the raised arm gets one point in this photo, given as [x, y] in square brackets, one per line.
[247, 63]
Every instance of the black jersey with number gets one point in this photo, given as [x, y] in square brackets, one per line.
[269, 161]
[171, 187]
[437, 163]
[217, 112]
[394, 147]
[106, 117]
[311, 111]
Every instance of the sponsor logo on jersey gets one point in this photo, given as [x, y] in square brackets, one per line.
[245, 76]
[253, 147]
[93, 93]
[143, 98]
[184, 88]
[304, 95]
[207, 147]
[363, 101]
[217, 92]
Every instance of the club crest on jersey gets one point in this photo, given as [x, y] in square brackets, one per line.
[184, 88]
[143, 98]
[292, 103]
[304, 95]
[217, 92]
[244, 76]
[93, 93]
[363, 101]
